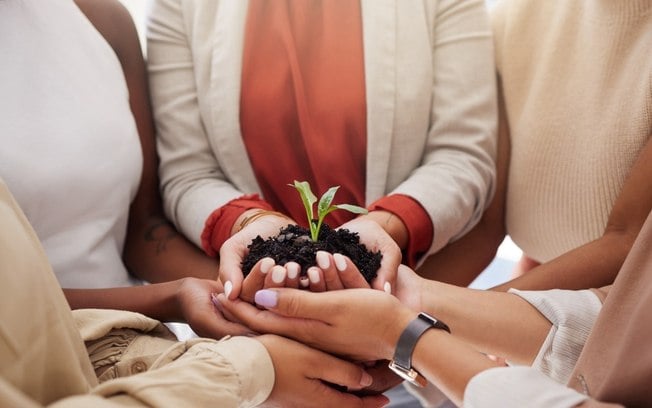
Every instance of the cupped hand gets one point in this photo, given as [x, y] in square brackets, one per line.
[375, 238]
[234, 249]
[304, 377]
[194, 299]
[362, 324]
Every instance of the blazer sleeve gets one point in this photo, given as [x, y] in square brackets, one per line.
[193, 183]
[456, 180]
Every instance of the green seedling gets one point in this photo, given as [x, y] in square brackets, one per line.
[324, 207]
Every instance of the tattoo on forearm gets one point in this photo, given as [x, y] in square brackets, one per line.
[161, 233]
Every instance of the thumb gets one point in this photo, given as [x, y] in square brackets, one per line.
[296, 303]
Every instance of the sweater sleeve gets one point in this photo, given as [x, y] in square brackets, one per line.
[235, 372]
[572, 314]
[518, 387]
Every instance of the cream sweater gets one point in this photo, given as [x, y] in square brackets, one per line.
[577, 81]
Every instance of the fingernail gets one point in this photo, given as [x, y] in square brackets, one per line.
[266, 298]
[322, 260]
[216, 302]
[278, 274]
[366, 379]
[387, 288]
[266, 264]
[293, 269]
[214, 299]
[304, 282]
[228, 287]
[313, 275]
[340, 262]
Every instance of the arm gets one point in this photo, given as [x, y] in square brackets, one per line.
[154, 251]
[453, 264]
[456, 178]
[365, 325]
[192, 181]
[597, 263]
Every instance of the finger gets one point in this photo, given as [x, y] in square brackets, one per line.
[264, 321]
[343, 398]
[255, 280]
[230, 269]
[276, 277]
[350, 276]
[316, 279]
[293, 270]
[337, 371]
[329, 272]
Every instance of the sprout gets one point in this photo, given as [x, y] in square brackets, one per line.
[324, 207]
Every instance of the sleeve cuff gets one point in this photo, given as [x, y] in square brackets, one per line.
[518, 387]
[572, 314]
[416, 220]
[219, 223]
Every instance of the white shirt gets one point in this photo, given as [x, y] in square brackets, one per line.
[71, 153]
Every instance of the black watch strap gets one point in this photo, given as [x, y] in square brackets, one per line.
[402, 361]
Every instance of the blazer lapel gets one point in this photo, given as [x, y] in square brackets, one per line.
[379, 39]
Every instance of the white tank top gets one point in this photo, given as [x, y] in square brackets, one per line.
[70, 151]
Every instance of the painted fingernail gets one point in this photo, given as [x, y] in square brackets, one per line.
[293, 269]
[215, 301]
[366, 379]
[278, 274]
[322, 260]
[266, 264]
[266, 298]
[304, 282]
[313, 275]
[228, 287]
[340, 262]
[387, 287]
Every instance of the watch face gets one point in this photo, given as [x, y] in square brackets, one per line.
[410, 375]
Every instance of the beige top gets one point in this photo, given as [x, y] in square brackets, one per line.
[44, 360]
[577, 79]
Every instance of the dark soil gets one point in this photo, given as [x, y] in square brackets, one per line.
[293, 243]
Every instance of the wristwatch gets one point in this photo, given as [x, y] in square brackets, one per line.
[401, 364]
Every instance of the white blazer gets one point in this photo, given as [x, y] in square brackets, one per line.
[431, 107]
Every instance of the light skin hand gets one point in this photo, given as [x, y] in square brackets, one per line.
[234, 249]
[375, 238]
[302, 375]
[361, 324]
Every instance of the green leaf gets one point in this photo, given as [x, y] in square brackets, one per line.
[351, 208]
[307, 197]
[325, 202]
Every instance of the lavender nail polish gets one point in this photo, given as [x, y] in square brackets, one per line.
[266, 298]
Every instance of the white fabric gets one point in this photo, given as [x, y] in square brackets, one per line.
[518, 387]
[431, 107]
[572, 314]
[71, 153]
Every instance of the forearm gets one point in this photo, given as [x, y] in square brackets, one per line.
[156, 252]
[593, 265]
[448, 363]
[495, 323]
[156, 301]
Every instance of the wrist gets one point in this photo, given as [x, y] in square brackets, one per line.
[250, 216]
[392, 224]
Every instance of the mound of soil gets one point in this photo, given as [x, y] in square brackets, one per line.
[293, 243]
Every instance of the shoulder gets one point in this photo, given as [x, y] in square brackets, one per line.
[114, 22]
